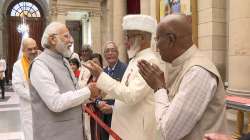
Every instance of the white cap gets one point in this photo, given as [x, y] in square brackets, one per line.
[139, 22]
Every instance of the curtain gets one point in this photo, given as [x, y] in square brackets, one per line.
[133, 7]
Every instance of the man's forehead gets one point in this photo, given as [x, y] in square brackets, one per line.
[29, 42]
[62, 29]
[110, 45]
[31, 45]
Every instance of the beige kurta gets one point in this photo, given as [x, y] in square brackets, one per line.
[194, 102]
[133, 114]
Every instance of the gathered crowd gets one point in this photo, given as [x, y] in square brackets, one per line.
[172, 93]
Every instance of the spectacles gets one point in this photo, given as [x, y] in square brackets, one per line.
[112, 50]
[66, 35]
[129, 36]
[32, 49]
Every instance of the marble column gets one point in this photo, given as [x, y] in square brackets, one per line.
[239, 48]
[212, 35]
[239, 55]
[117, 27]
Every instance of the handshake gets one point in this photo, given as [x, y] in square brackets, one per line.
[95, 96]
[95, 92]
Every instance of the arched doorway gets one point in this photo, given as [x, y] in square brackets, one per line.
[34, 17]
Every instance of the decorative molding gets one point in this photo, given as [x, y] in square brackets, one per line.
[94, 7]
[96, 13]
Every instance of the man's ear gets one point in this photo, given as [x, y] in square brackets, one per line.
[172, 37]
[172, 40]
[52, 40]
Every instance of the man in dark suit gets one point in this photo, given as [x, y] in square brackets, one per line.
[115, 69]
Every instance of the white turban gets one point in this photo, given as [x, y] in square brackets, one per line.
[139, 22]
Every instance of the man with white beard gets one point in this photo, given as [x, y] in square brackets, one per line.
[133, 113]
[56, 97]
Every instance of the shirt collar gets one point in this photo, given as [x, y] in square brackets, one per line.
[113, 68]
[143, 52]
[186, 55]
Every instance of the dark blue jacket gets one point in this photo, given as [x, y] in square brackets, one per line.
[118, 71]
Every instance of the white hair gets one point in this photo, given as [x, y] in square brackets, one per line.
[51, 29]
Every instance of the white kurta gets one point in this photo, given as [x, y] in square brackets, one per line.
[134, 109]
[20, 86]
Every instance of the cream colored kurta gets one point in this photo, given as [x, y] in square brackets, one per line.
[133, 113]
[194, 102]
[21, 87]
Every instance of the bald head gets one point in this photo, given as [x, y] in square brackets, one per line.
[179, 24]
[28, 42]
[174, 36]
[29, 48]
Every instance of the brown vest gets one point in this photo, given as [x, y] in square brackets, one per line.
[213, 119]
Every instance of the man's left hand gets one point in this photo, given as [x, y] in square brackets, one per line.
[152, 74]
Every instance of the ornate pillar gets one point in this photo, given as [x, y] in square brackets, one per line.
[239, 54]
[85, 28]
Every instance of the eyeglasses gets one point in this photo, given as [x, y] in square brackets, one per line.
[66, 35]
[112, 50]
[32, 49]
[129, 36]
